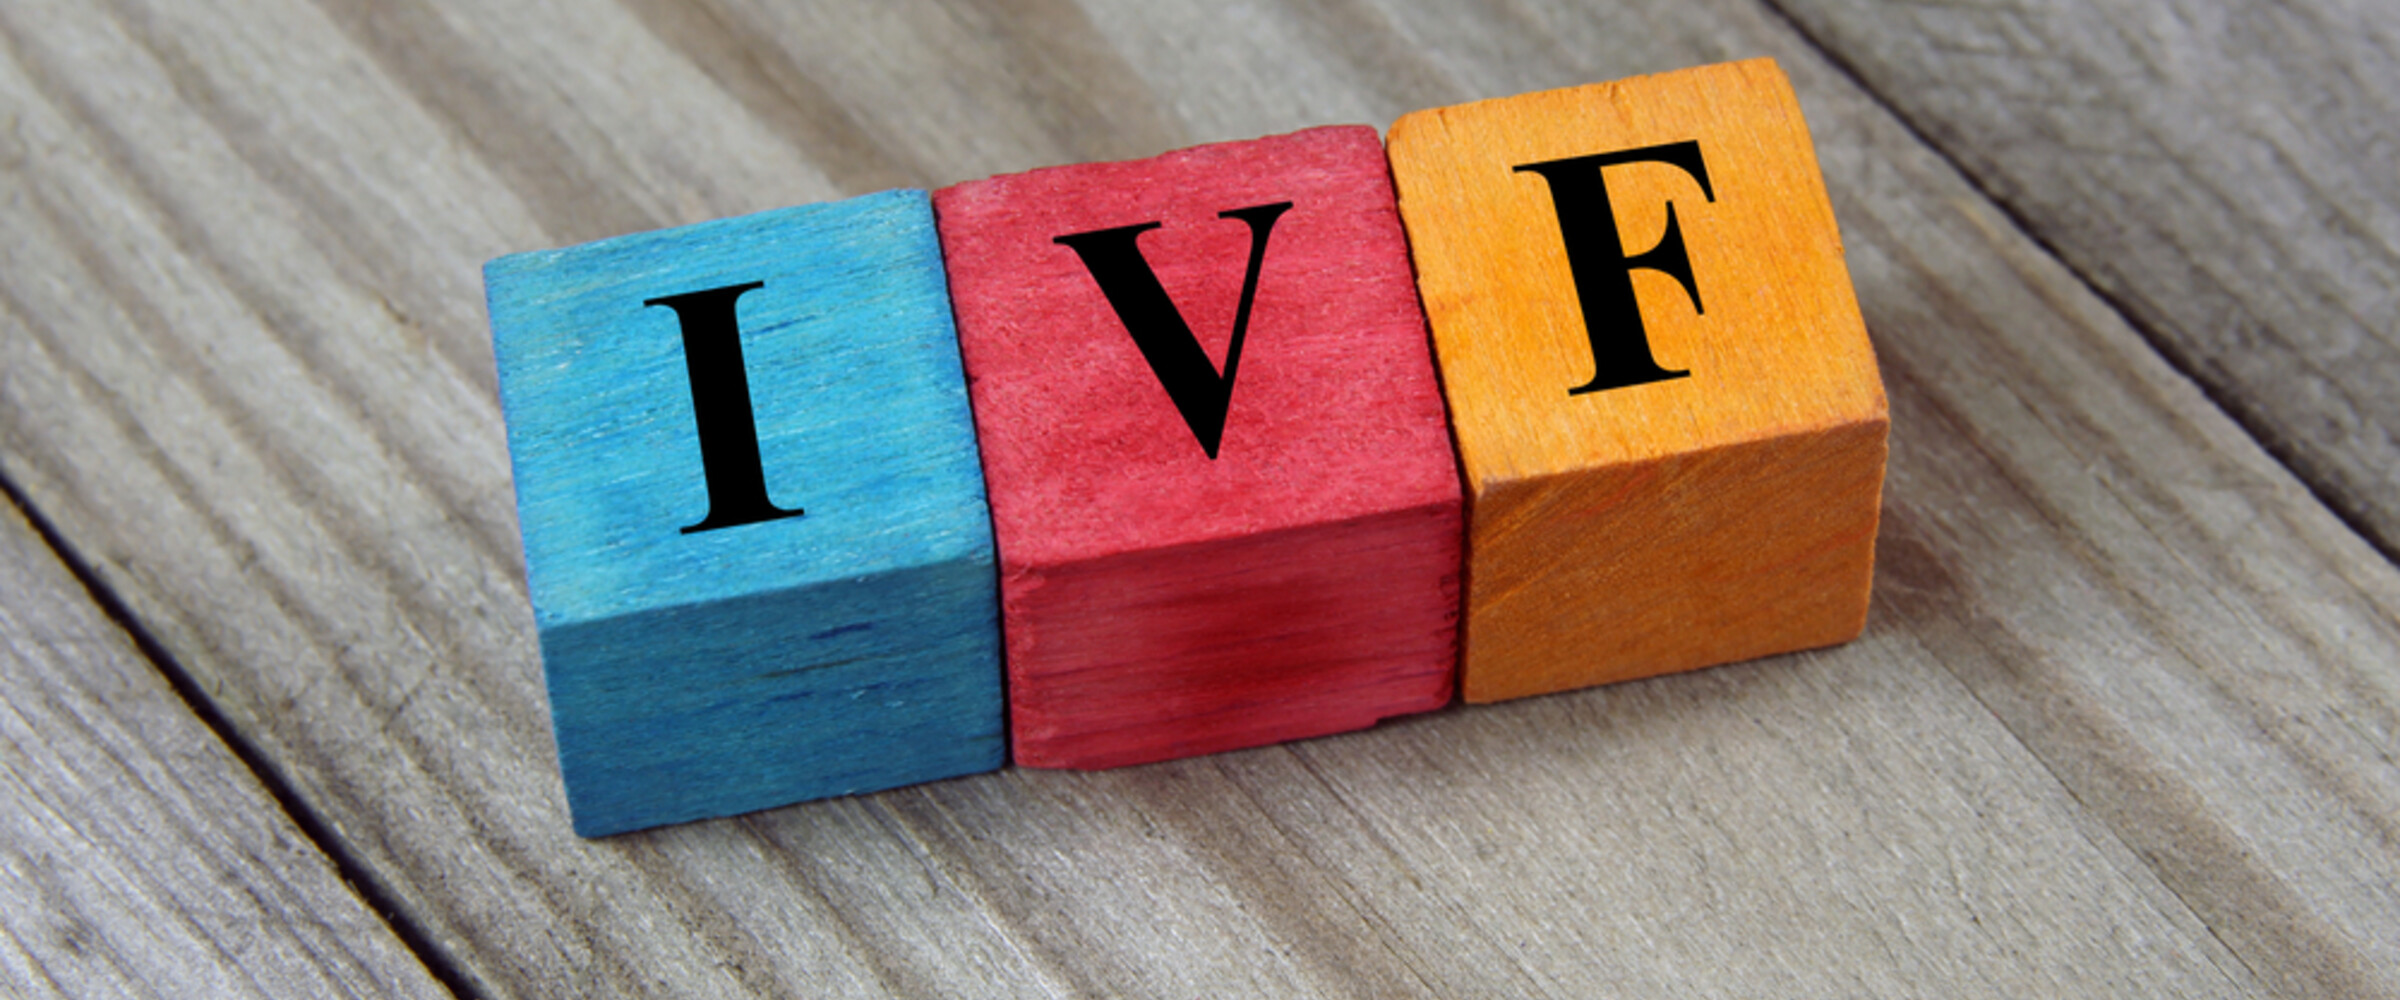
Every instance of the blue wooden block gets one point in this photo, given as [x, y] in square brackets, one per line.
[729, 624]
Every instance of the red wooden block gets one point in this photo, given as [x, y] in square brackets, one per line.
[1158, 602]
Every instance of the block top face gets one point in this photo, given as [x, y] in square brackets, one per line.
[1333, 412]
[1495, 193]
[855, 393]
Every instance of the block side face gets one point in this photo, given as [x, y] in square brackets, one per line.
[1235, 643]
[1672, 564]
[853, 380]
[833, 689]
[1775, 343]
[1333, 413]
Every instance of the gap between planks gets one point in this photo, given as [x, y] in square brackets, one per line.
[1309, 751]
[2180, 357]
[357, 875]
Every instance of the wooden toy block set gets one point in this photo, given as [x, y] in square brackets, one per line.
[1112, 463]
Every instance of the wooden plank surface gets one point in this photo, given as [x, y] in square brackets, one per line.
[2221, 171]
[2123, 721]
[138, 856]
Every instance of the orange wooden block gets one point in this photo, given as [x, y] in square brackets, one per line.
[1667, 409]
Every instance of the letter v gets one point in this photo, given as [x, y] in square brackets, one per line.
[1114, 257]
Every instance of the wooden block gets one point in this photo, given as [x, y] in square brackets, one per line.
[1668, 412]
[1265, 551]
[755, 533]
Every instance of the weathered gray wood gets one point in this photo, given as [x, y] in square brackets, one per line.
[2124, 721]
[2223, 170]
[138, 856]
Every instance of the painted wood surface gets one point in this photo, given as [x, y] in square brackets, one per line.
[138, 856]
[2122, 721]
[1271, 550]
[755, 536]
[1670, 418]
[2222, 172]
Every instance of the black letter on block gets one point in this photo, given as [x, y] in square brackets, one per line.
[1604, 271]
[1158, 328]
[712, 357]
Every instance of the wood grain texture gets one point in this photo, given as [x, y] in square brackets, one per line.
[2122, 723]
[1666, 406]
[138, 856]
[2221, 171]
[801, 361]
[1271, 550]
